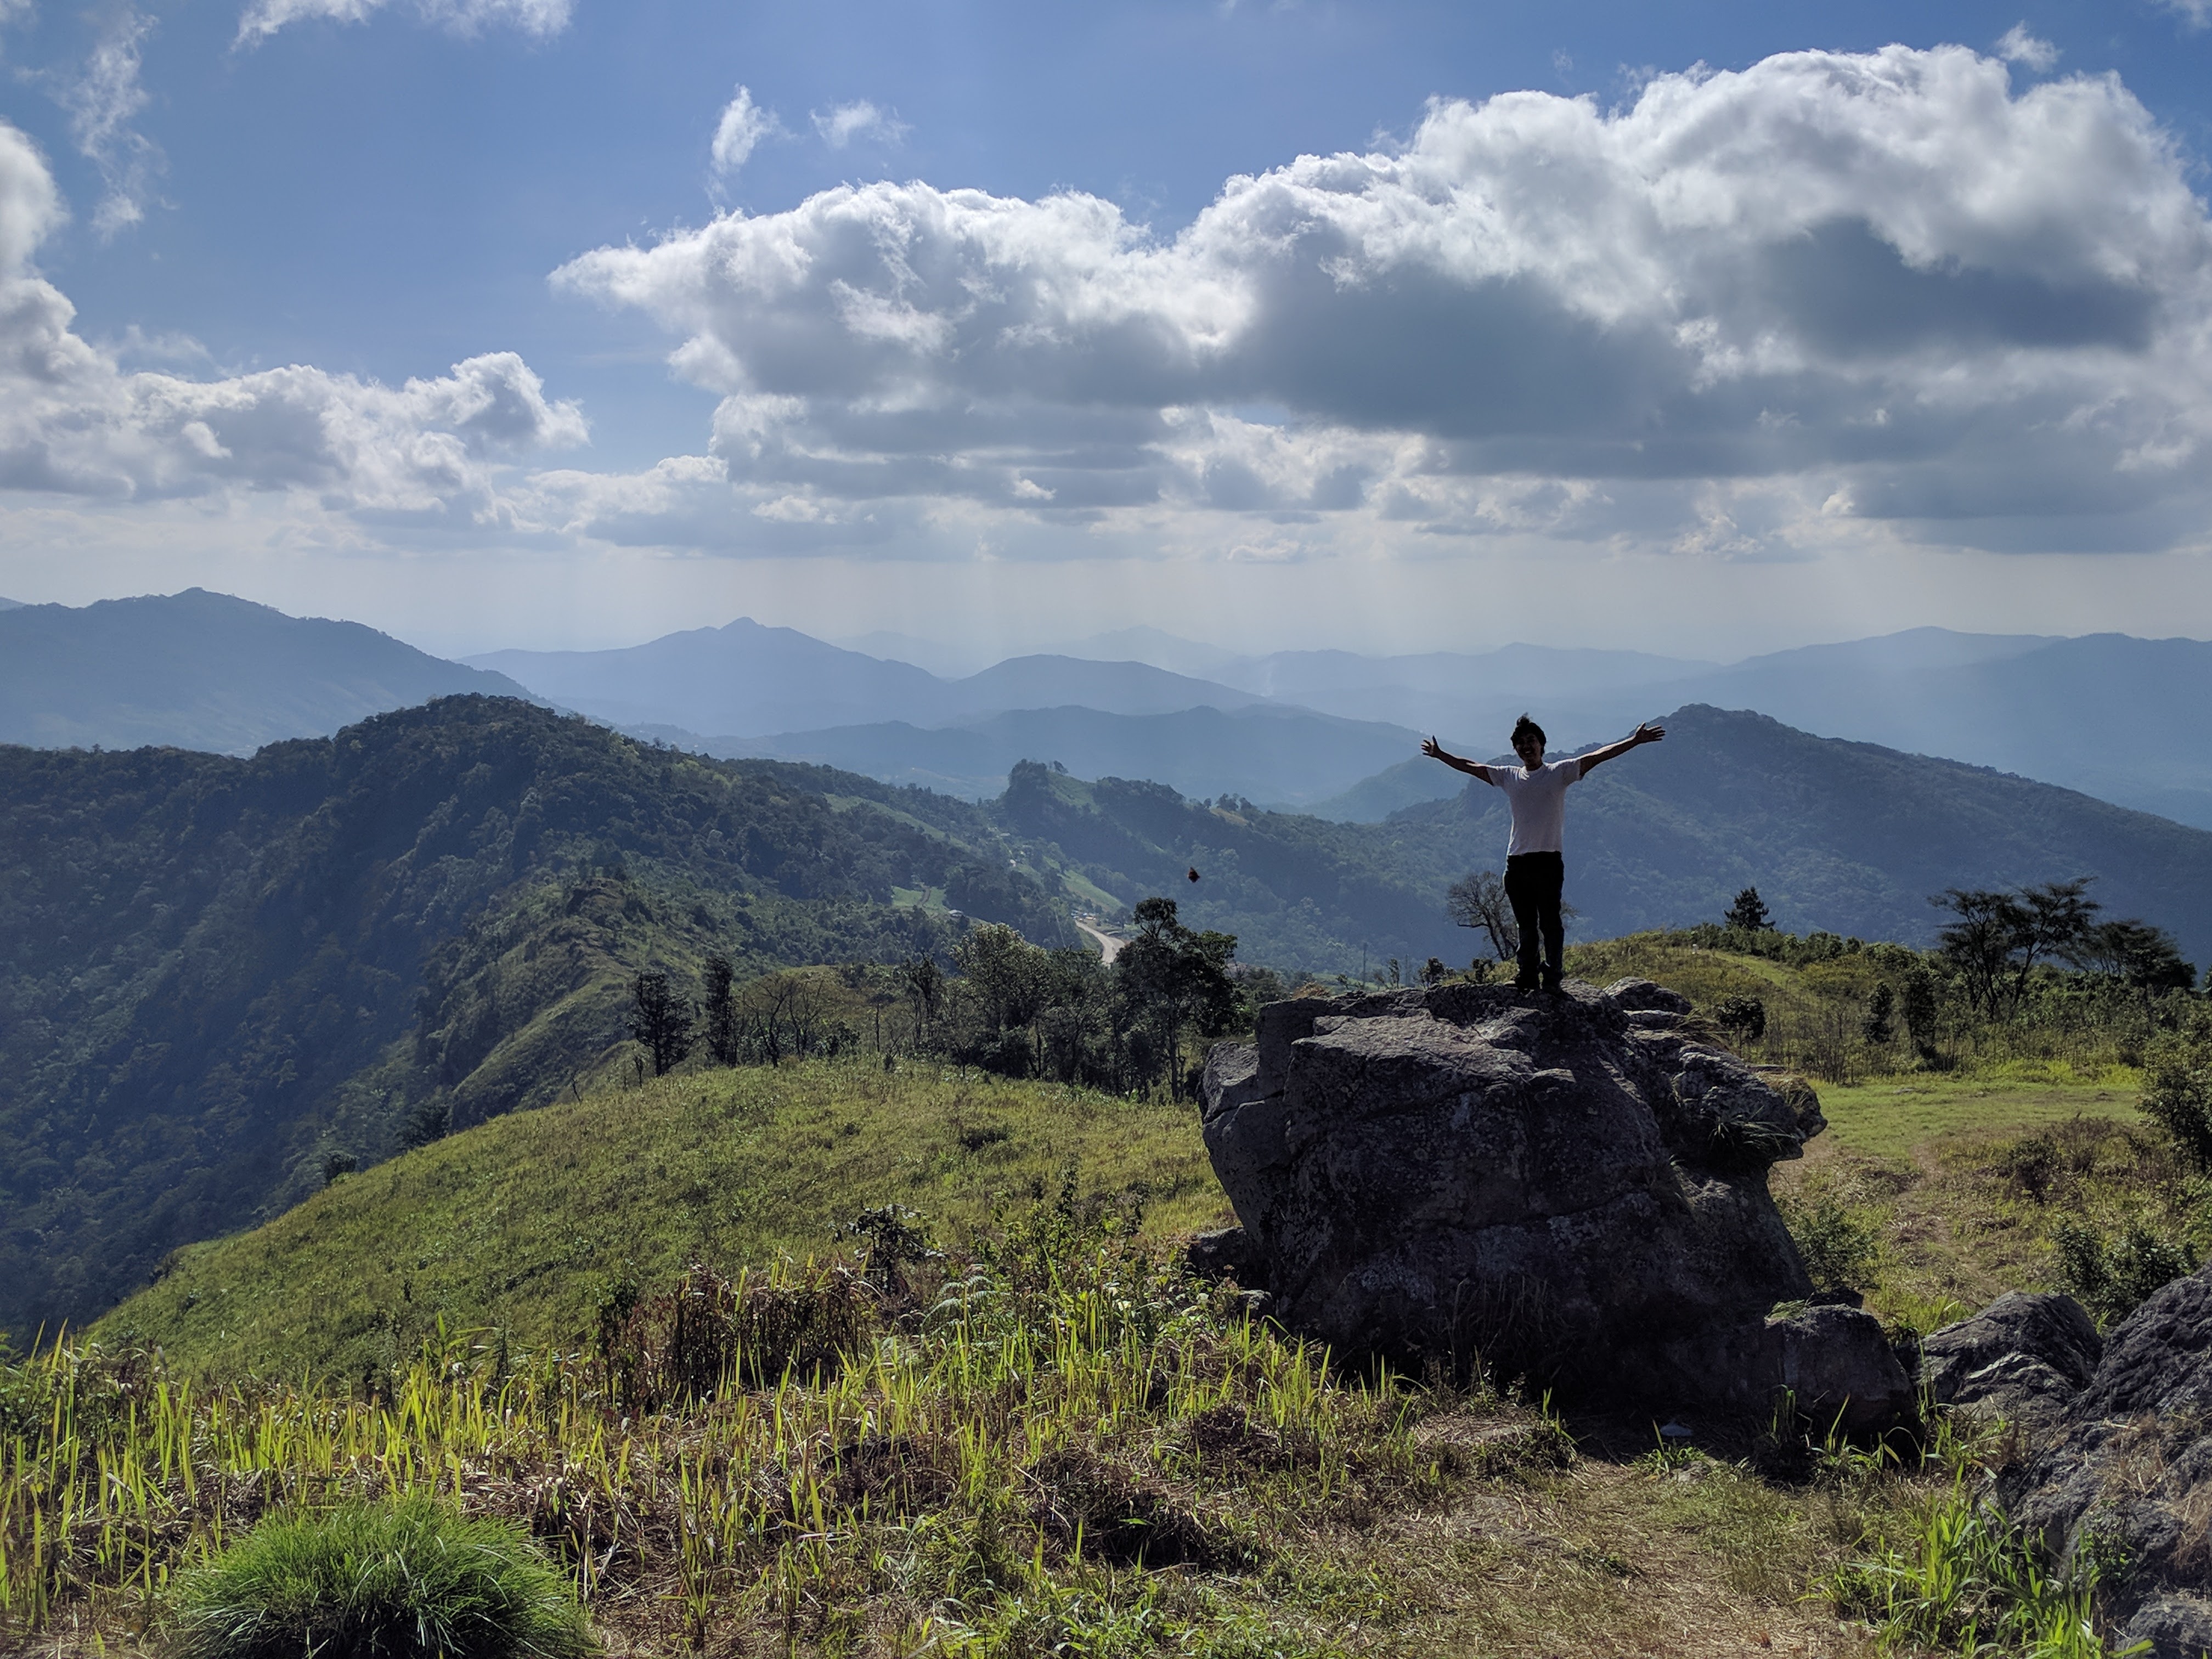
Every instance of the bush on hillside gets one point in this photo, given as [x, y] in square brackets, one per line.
[2176, 1093]
[405, 1580]
[1841, 1248]
[711, 1333]
[2112, 1277]
[1742, 1017]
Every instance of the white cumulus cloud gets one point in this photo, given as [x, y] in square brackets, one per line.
[72, 420]
[840, 125]
[263, 18]
[30, 207]
[1888, 279]
[2018, 46]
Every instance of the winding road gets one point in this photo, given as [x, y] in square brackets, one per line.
[1109, 946]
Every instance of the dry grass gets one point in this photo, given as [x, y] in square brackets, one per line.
[1058, 1449]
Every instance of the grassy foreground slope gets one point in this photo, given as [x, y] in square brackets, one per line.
[521, 1224]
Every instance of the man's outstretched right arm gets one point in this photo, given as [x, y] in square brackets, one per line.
[1436, 751]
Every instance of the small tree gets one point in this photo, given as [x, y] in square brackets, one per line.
[1876, 1025]
[1742, 1017]
[1479, 901]
[1920, 1008]
[2000, 937]
[1749, 912]
[924, 982]
[660, 1020]
[2135, 953]
[428, 1121]
[725, 1037]
[1176, 979]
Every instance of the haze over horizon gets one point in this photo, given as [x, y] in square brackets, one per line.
[543, 323]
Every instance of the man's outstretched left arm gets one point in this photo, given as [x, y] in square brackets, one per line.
[1643, 734]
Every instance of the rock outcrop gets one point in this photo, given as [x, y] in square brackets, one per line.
[2024, 1358]
[2123, 1475]
[1571, 1188]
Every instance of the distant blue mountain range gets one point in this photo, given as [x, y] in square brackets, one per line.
[204, 671]
[1331, 733]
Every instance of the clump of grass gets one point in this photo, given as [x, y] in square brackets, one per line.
[404, 1580]
[1960, 1576]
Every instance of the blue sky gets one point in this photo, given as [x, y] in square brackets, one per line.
[445, 315]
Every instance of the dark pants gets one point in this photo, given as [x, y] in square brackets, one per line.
[1533, 884]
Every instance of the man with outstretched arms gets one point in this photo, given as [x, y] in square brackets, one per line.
[1535, 871]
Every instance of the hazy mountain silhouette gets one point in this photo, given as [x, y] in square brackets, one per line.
[1279, 756]
[744, 680]
[2110, 714]
[204, 671]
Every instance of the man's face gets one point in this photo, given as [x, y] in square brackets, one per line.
[1530, 748]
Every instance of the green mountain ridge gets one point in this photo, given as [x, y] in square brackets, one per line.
[215, 971]
[216, 968]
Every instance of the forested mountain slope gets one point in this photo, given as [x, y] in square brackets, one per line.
[213, 971]
[1845, 837]
[212, 965]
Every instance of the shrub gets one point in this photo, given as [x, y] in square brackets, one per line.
[1874, 1025]
[405, 1580]
[1962, 1578]
[1742, 1017]
[2112, 1278]
[1841, 1250]
[2177, 1094]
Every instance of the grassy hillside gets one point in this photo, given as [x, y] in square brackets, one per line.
[521, 1224]
[216, 972]
[1046, 1443]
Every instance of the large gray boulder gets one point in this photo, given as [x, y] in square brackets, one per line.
[1571, 1188]
[2123, 1477]
[2024, 1358]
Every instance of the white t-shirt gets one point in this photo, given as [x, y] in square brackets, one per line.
[1539, 799]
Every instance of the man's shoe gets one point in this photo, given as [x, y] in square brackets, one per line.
[1552, 985]
[1524, 984]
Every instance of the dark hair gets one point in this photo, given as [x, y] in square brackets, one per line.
[1525, 727]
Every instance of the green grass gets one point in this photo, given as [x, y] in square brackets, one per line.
[520, 1224]
[1056, 1448]
[1044, 1443]
[1889, 1118]
[405, 1580]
